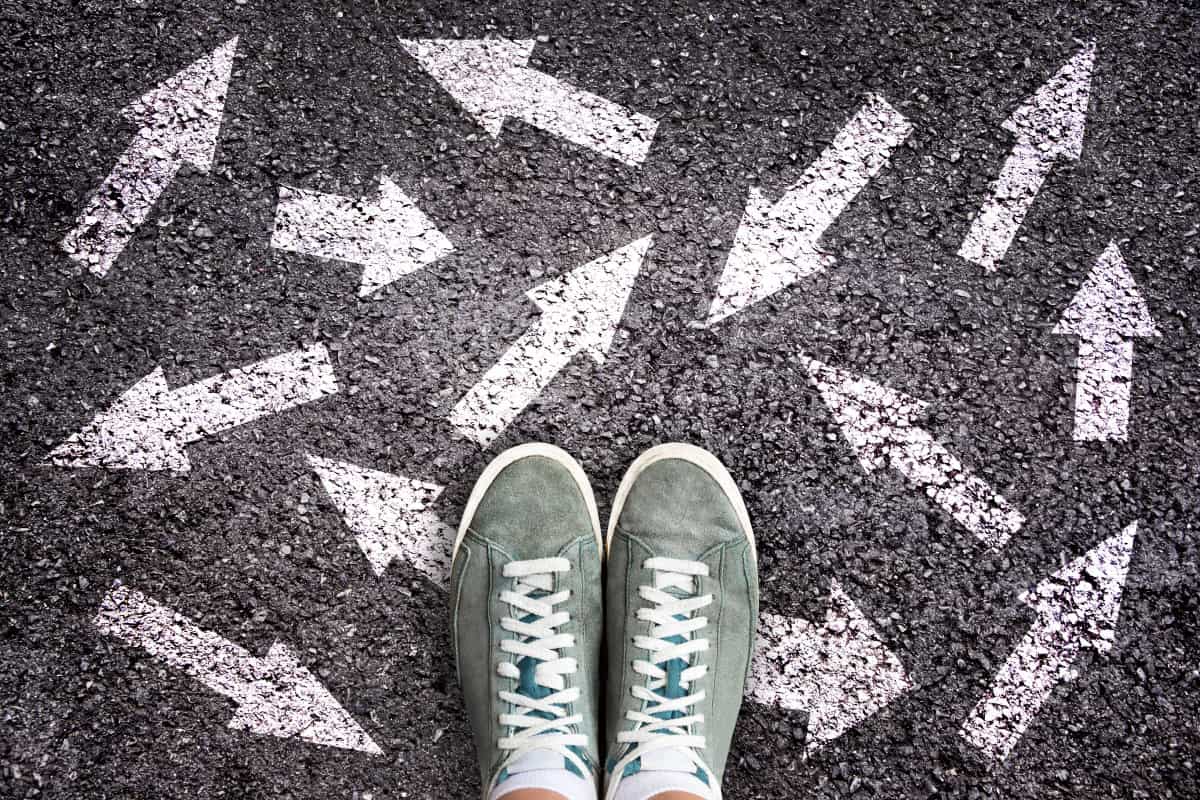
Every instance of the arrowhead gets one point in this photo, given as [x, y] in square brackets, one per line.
[478, 73]
[405, 239]
[1108, 305]
[184, 111]
[284, 699]
[587, 303]
[840, 672]
[1056, 113]
[872, 417]
[771, 250]
[136, 432]
[1086, 594]
[390, 516]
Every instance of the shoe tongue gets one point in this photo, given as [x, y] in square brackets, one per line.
[537, 759]
[667, 770]
[669, 758]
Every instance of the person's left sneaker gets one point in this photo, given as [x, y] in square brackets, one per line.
[527, 621]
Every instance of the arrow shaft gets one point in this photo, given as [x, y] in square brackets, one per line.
[580, 117]
[1012, 195]
[1103, 373]
[521, 374]
[325, 226]
[122, 202]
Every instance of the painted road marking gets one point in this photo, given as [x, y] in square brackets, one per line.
[149, 425]
[489, 78]
[776, 244]
[840, 672]
[1048, 127]
[275, 695]
[180, 119]
[387, 234]
[1076, 607]
[580, 312]
[1106, 312]
[390, 515]
[877, 422]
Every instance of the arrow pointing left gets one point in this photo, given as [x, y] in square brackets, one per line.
[149, 426]
[180, 119]
[275, 695]
[840, 672]
[580, 312]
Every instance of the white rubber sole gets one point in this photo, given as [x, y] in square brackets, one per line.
[498, 464]
[697, 456]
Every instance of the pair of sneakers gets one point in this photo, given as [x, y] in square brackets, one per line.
[532, 619]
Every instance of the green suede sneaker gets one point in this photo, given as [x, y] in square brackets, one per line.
[682, 603]
[526, 607]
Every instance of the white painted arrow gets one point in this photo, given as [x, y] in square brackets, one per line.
[387, 234]
[1105, 314]
[490, 79]
[275, 695]
[149, 425]
[179, 119]
[878, 424]
[840, 672]
[1076, 608]
[390, 515]
[776, 244]
[1048, 127]
[580, 312]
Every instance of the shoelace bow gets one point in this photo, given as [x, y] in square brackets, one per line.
[542, 722]
[666, 722]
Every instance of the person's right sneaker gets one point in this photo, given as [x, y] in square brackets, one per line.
[680, 608]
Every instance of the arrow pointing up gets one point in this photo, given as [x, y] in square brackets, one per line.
[490, 79]
[776, 244]
[180, 120]
[1106, 312]
[878, 423]
[840, 673]
[1048, 127]
[390, 516]
[149, 425]
[1076, 608]
[275, 695]
[580, 313]
[388, 234]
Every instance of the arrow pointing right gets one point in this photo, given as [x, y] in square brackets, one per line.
[1048, 127]
[1077, 608]
[275, 695]
[580, 312]
[1105, 313]
[180, 119]
[388, 234]
[878, 423]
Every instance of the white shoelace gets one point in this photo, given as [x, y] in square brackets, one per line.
[535, 623]
[672, 617]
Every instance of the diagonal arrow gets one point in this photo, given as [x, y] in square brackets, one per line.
[878, 423]
[1048, 128]
[275, 695]
[179, 120]
[580, 312]
[1076, 608]
[776, 244]
[390, 515]
[1106, 312]
[840, 672]
[388, 234]
[149, 425]
[490, 79]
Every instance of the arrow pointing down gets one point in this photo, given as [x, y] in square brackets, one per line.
[1105, 314]
[275, 695]
[490, 79]
[580, 312]
[180, 119]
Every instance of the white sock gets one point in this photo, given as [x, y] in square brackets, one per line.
[668, 770]
[544, 769]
